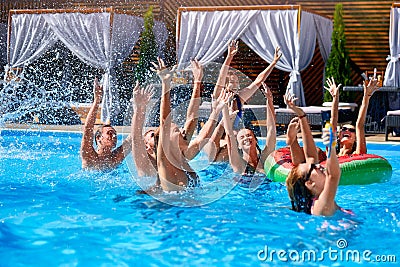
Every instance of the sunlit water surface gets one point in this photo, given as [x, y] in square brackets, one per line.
[54, 214]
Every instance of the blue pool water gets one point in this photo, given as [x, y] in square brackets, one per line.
[54, 214]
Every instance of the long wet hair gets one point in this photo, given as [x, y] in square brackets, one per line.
[156, 135]
[300, 197]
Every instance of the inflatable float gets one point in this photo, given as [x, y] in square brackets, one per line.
[356, 169]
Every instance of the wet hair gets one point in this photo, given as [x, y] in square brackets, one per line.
[99, 131]
[300, 197]
[148, 131]
[156, 141]
[156, 136]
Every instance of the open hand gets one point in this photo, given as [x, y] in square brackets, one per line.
[142, 96]
[332, 88]
[161, 70]
[233, 48]
[222, 100]
[197, 70]
[266, 91]
[289, 101]
[277, 54]
[370, 86]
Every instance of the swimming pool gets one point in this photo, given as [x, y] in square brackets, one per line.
[53, 213]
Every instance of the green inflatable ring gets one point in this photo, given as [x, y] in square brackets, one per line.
[356, 169]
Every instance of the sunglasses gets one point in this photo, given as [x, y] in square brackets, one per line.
[352, 130]
[313, 166]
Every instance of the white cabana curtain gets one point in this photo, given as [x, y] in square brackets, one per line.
[205, 35]
[324, 29]
[263, 32]
[392, 73]
[279, 28]
[30, 37]
[90, 36]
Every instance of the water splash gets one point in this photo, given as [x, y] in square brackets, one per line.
[23, 101]
[44, 90]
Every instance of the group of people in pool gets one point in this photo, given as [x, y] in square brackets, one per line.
[165, 152]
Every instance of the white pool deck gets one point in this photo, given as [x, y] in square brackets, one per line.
[379, 137]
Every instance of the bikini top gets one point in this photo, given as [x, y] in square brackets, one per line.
[250, 170]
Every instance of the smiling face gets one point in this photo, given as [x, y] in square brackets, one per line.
[233, 83]
[246, 139]
[347, 135]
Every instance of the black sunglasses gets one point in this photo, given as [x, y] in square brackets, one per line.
[313, 166]
[344, 128]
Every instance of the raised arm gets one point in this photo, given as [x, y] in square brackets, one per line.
[369, 89]
[236, 161]
[201, 140]
[192, 115]
[296, 152]
[214, 142]
[165, 105]
[87, 150]
[140, 100]
[271, 125]
[223, 73]
[325, 204]
[165, 168]
[247, 92]
[334, 91]
[310, 150]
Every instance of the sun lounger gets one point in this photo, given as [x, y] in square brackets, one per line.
[352, 106]
[392, 121]
[257, 111]
[255, 114]
[315, 115]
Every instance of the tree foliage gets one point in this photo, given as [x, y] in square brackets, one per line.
[338, 64]
[142, 73]
[148, 50]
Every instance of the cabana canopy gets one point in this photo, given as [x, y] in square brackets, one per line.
[204, 32]
[100, 37]
[392, 73]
